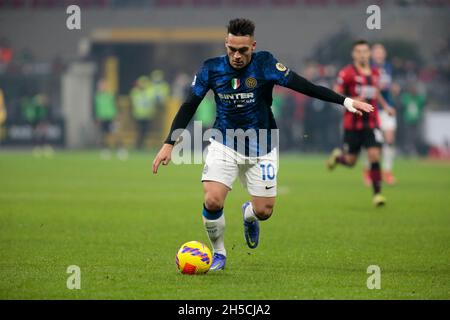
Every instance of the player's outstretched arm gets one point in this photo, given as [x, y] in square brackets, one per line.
[386, 107]
[300, 84]
[181, 120]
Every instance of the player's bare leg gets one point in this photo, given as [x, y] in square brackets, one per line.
[338, 157]
[214, 220]
[374, 155]
[263, 207]
[260, 208]
[388, 156]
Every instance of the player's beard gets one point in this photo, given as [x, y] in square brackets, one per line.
[362, 64]
[238, 65]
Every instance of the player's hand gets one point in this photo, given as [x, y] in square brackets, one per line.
[361, 107]
[163, 156]
[390, 111]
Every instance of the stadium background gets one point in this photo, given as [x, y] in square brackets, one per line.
[123, 40]
[111, 217]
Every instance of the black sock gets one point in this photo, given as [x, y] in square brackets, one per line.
[375, 176]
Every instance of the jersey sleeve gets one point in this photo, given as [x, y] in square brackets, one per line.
[200, 84]
[275, 71]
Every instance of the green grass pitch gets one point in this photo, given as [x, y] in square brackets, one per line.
[122, 226]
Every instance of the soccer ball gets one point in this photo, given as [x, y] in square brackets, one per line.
[193, 258]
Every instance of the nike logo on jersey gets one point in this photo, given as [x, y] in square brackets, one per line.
[267, 188]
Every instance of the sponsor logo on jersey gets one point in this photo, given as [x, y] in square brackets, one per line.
[238, 100]
[235, 83]
[251, 83]
[280, 67]
[366, 91]
[236, 96]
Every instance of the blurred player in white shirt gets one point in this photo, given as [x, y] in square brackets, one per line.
[388, 123]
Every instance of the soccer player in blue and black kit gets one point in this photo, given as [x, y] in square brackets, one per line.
[388, 121]
[242, 82]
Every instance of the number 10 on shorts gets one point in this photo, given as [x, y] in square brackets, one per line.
[267, 171]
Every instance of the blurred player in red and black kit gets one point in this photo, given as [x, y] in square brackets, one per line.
[360, 82]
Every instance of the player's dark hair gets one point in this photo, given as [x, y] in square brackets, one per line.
[241, 27]
[359, 42]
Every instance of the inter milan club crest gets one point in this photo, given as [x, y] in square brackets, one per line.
[250, 83]
[235, 83]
